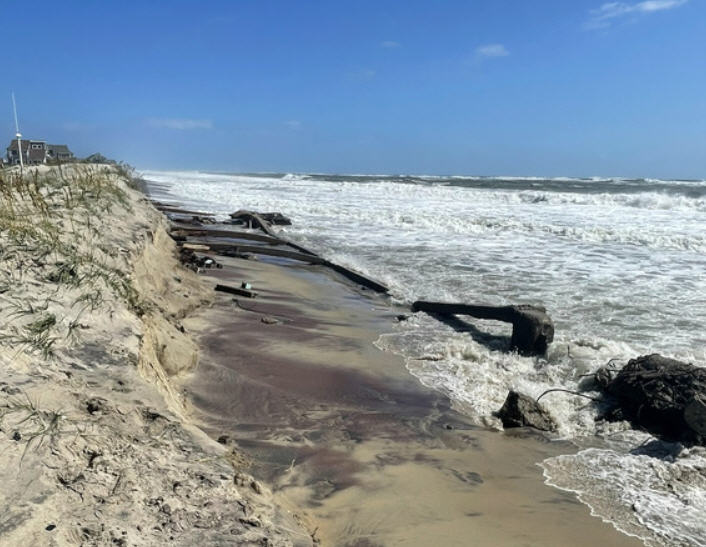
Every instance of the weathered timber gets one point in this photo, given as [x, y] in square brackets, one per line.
[179, 210]
[303, 257]
[519, 410]
[278, 219]
[253, 220]
[532, 328]
[357, 278]
[195, 247]
[664, 396]
[235, 290]
[180, 230]
[234, 234]
[270, 251]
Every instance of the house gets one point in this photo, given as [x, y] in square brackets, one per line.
[37, 152]
[59, 152]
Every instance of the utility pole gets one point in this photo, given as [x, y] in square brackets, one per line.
[17, 133]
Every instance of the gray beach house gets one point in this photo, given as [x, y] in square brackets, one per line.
[37, 152]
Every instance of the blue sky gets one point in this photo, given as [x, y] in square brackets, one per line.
[542, 87]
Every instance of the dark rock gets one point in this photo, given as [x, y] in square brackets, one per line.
[223, 439]
[50, 527]
[664, 396]
[16, 436]
[519, 410]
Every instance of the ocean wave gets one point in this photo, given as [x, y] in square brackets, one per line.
[659, 498]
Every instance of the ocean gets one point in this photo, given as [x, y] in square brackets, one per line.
[618, 263]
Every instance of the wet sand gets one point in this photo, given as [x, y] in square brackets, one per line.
[343, 432]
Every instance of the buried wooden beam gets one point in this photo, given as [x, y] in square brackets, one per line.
[180, 211]
[254, 220]
[358, 278]
[180, 230]
[269, 251]
[303, 257]
[206, 232]
[235, 290]
[532, 328]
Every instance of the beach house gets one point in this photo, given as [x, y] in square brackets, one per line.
[37, 152]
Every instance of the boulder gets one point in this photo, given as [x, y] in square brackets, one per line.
[520, 410]
[663, 396]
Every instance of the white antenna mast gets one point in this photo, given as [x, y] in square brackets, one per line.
[17, 132]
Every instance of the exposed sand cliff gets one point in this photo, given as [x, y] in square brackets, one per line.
[91, 303]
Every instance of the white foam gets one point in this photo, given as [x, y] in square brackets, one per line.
[662, 501]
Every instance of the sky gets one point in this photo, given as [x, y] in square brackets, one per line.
[492, 87]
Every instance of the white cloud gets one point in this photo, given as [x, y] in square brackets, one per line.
[492, 50]
[604, 16]
[180, 124]
[293, 124]
[390, 44]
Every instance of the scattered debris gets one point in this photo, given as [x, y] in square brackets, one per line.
[268, 320]
[235, 290]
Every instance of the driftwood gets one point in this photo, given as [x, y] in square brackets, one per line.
[253, 220]
[278, 219]
[183, 231]
[195, 247]
[532, 328]
[357, 278]
[180, 231]
[269, 251]
[179, 210]
[236, 290]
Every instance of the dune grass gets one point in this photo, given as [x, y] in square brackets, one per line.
[50, 226]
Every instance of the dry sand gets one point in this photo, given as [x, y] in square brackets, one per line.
[95, 446]
[342, 430]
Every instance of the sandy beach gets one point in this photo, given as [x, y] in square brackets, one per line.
[140, 407]
[342, 430]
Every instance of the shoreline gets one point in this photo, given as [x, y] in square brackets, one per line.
[138, 407]
[345, 458]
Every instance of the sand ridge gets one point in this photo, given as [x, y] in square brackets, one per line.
[91, 304]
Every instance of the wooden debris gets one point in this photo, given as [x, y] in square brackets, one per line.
[278, 219]
[180, 211]
[270, 251]
[235, 290]
[195, 247]
[532, 328]
[253, 220]
[357, 278]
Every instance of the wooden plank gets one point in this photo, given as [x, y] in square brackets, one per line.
[195, 247]
[253, 219]
[269, 251]
[357, 278]
[235, 234]
[235, 290]
[179, 210]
